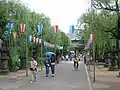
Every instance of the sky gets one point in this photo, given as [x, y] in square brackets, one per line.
[63, 13]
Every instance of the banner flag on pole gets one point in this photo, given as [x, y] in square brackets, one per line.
[90, 40]
[22, 26]
[40, 27]
[56, 28]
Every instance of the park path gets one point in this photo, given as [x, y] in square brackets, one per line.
[66, 78]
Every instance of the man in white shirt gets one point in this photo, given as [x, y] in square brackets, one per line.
[33, 69]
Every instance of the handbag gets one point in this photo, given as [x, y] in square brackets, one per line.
[31, 69]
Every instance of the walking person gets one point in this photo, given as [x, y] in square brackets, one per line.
[52, 64]
[47, 65]
[33, 69]
[76, 64]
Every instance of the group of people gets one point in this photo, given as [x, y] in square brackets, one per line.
[49, 62]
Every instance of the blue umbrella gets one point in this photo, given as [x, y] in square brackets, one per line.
[49, 53]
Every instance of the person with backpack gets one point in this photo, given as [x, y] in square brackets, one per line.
[52, 63]
[47, 65]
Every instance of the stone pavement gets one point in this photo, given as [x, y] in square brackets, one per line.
[105, 80]
[66, 78]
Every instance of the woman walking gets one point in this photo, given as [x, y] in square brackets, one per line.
[52, 64]
[47, 65]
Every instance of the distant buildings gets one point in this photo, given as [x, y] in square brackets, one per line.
[77, 43]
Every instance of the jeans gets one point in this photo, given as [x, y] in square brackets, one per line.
[75, 64]
[47, 70]
[53, 69]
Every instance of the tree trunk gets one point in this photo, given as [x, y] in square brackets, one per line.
[117, 40]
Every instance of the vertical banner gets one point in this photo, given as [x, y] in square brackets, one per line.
[90, 40]
[56, 28]
[40, 27]
[22, 26]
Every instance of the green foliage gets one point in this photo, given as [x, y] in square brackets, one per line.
[17, 12]
[99, 24]
[40, 60]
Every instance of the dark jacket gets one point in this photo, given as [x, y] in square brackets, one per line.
[52, 59]
[47, 61]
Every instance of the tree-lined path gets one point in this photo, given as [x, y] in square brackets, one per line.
[66, 78]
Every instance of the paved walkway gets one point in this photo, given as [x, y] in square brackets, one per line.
[66, 78]
[105, 80]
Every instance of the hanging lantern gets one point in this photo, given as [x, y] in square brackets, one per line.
[14, 35]
[92, 37]
[33, 39]
[40, 27]
[72, 29]
[30, 37]
[39, 41]
[36, 40]
[56, 28]
[10, 26]
[22, 28]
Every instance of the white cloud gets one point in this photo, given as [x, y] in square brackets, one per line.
[62, 12]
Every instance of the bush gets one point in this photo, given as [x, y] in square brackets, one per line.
[16, 62]
[40, 60]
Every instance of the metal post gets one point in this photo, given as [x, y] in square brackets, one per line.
[26, 58]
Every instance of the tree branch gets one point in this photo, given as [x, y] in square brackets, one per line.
[98, 5]
[112, 32]
[117, 6]
[109, 30]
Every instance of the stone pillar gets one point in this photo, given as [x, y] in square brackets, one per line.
[4, 69]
